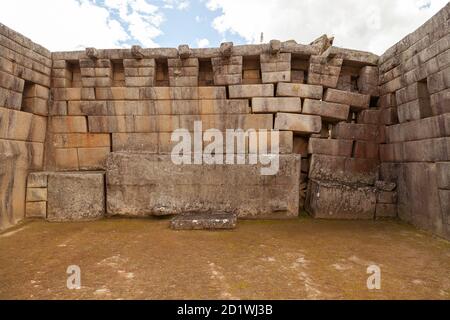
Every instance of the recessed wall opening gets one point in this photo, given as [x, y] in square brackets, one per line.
[74, 74]
[251, 70]
[162, 73]
[374, 102]
[205, 75]
[118, 73]
[348, 78]
[28, 92]
[424, 98]
[299, 69]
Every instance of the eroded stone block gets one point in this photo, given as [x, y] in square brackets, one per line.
[328, 200]
[204, 221]
[298, 123]
[142, 184]
[75, 196]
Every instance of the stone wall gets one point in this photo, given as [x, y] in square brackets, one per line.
[361, 136]
[25, 69]
[415, 96]
[109, 101]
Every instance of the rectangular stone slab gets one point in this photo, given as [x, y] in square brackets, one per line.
[328, 200]
[141, 184]
[75, 196]
[204, 221]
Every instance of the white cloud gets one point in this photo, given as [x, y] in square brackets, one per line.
[358, 24]
[73, 25]
[176, 4]
[202, 43]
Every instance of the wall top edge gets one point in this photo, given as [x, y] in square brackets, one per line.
[352, 56]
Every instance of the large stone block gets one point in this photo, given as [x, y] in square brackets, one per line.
[140, 184]
[36, 209]
[92, 158]
[368, 80]
[443, 175]
[36, 194]
[298, 123]
[414, 110]
[75, 196]
[366, 150]
[274, 105]
[429, 150]
[433, 127]
[356, 101]
[81, 140]
[37, 180]
[418, 198]
[299, 90]
[68, 124]
[147, 142]
[328, 200]
[332, 147]
[355, 131]
[343, 169]
[251, 90]
[329, 111]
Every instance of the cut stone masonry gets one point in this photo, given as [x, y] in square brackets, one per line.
[87, 134]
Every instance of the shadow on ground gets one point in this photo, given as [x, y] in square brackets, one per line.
[300, 259]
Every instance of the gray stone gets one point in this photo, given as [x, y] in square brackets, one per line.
[75, 196]
[204, 221]
[385, 185]
[329, 200]
[343, 169]
[140, 184]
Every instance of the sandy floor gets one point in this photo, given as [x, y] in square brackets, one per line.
[301, 259]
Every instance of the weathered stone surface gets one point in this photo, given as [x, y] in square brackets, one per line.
[354, 131]
[429, 150]
[433, 127]
[298, 123]
[251, 90]
[386, 197]
[36, 194]
[356, 101]
[385, 210]
[145, 184]
[37, 180]
[330, 147]
[299, 90]
[328, 200]
[36, 209]
[329, 111]
[366, 150]
[418, 198]
[75, 196]
[414, 110]
[368, 80]
[300, 146]
[443, 175]
[204, 221]
[343, 169]
[274, 105]
[385, 185]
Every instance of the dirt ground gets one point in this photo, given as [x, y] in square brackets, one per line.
[299, 259]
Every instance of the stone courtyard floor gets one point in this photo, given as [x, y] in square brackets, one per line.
[300, 259]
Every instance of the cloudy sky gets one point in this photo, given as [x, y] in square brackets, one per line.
[371, 25]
